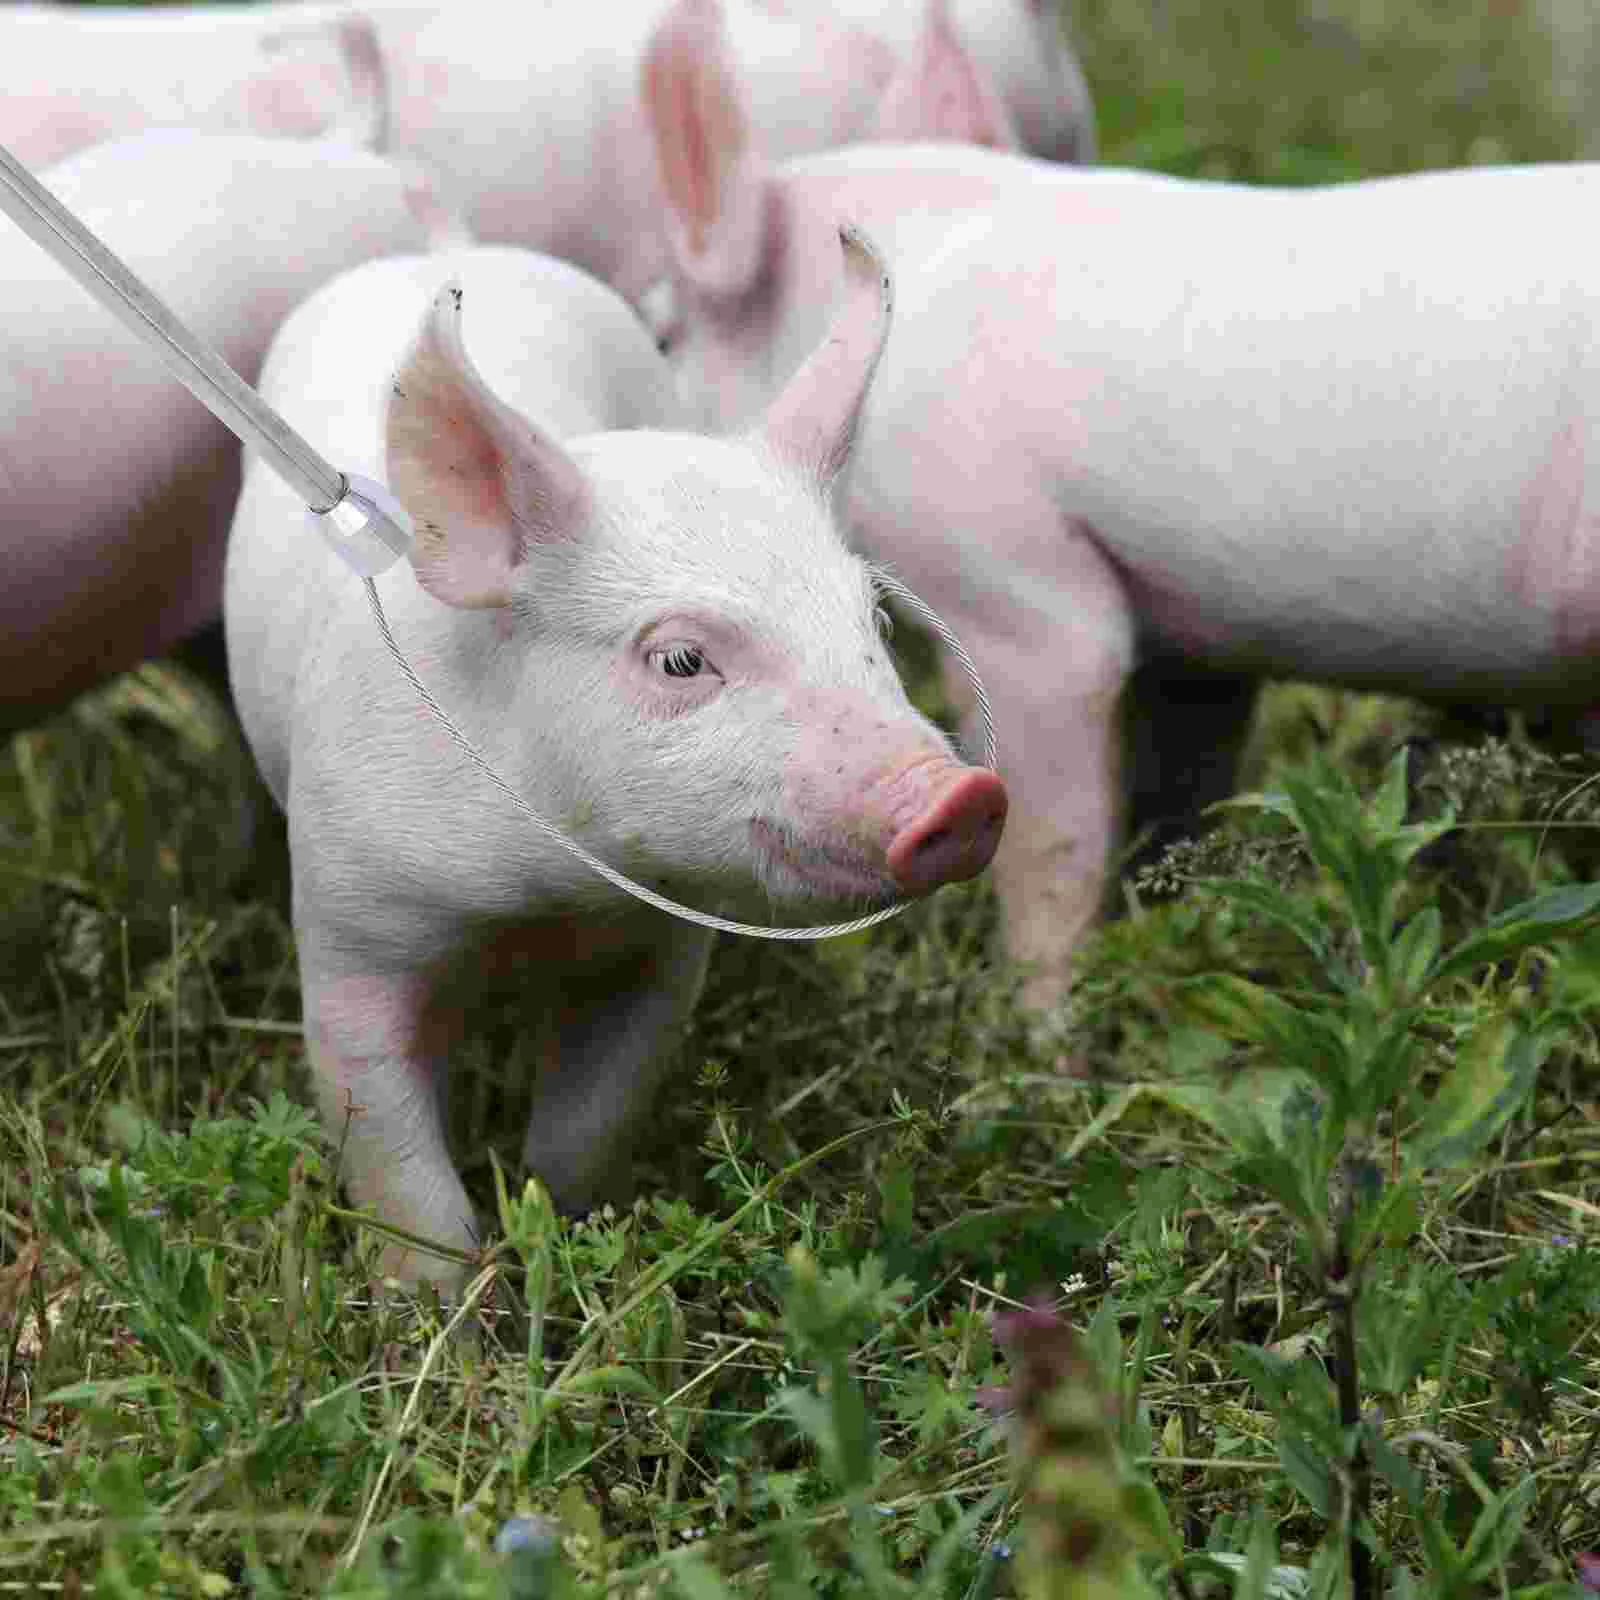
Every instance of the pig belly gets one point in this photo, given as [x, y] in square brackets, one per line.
[1346, 435]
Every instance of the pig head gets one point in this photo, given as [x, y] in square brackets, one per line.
[658, 638]
[1015, 51]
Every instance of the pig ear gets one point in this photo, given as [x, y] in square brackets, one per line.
[482, 484]
[813, 421]
[715, 187]
[942, 93]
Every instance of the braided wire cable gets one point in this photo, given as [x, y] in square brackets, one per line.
[705, 919]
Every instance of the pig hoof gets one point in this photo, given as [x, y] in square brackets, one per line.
[954, 838]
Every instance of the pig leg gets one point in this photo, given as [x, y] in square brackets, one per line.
[377, 1059]
[616, 1036]
[1056, 694]
[1044, 616]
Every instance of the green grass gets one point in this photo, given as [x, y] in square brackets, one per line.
[764, 1374]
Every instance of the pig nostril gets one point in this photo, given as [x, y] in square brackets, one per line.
[954, 839]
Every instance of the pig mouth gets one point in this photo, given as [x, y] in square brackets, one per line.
[832, 871]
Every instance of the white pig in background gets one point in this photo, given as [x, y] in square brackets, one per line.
[115, 484]
[1018, 46]
[1350, 433]
[72, 76]
[530, 118]
[660, 640]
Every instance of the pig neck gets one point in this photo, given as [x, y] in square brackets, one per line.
[906, 210]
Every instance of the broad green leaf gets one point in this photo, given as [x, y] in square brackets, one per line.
[1307, 1468]
[1256, 1575]
[1403, 1584]
[98, 1391]
[838, 1424]
[1328, 1570]
[1241, 1109]
[1275, 1378]
[1406, 842]
[1389, 1068]
[1286, 1180]
[1273, 801]
[856, 1437]
[811, 1415]
[1397, 1215]
[1242, 1010]
[1493, 1075]
[1329, 817]
[1248, 1113]
[1515, 929]
[1445, 1564]
[1496, 1529]
[1263, 1577]
[896, 1197]
[120, 1489]
[1416, 948]
[696, 1579]
[1390, 1464]
[1110, 1113]
[1147, 1519]
[1370, 884]
[1289, 912]
[1389, 803]
[613, 1378]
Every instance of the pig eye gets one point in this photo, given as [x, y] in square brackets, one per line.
[681, 661]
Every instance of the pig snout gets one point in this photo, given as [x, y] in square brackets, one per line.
[921, 821]
[954, 833]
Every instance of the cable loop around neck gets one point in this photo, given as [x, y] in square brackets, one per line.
[639, 891]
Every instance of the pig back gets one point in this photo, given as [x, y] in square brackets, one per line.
[114, 544]
[550, 342]
[1268, 405]
[1023, 48]
[80, 75]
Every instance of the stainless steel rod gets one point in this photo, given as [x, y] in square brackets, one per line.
[192, 362]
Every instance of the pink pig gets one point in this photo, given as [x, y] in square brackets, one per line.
[1015, 48]
[659, 639]
[547, 145]
[531, 124]
[1346, 433]
[80, 75]
[118, 485]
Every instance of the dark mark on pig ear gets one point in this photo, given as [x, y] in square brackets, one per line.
[455, 294]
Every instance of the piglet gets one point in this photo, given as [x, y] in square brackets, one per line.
[80, 75]
[1014, 50]
[1344, 434]
[539, 135]
[118, 485]
[658, 639]
[530, 121]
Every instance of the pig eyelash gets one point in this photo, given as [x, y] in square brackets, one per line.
[680, 661]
